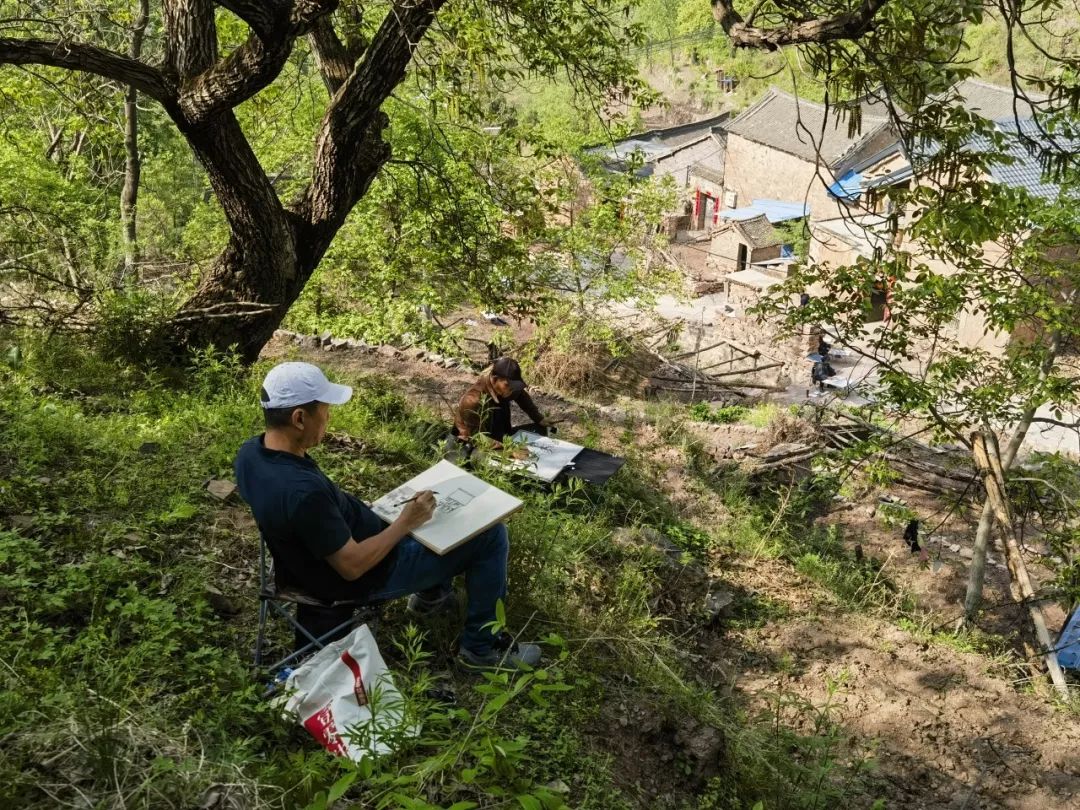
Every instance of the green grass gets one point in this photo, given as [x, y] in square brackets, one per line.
[121, 685]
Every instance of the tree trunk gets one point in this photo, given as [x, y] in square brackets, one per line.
[129, 195]
[977, 573]
[987, 459]
[273, 250]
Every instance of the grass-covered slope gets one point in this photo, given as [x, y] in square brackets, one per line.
[123, 687]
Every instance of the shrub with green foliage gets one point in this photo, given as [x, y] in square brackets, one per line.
[722, 415]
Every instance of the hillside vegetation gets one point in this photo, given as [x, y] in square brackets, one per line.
[124, 687]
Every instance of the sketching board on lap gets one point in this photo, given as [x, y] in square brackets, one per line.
[465, 506]
[547, 456]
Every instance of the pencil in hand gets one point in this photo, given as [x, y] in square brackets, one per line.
[414, 497]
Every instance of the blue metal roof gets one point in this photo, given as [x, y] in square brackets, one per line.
[847, 187]
[1023, 171]
[774, 210]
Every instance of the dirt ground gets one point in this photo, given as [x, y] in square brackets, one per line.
[948, 729]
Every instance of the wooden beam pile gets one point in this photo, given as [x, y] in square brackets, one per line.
[684, 373]
[908, 459]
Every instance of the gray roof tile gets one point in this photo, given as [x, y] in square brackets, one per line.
[758, 232]
[1026, 171]
[800, 127]
[992, 101]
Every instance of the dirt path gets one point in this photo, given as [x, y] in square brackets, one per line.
[949, 735]
[950, 729]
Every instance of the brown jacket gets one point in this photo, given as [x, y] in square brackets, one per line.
[481, 411]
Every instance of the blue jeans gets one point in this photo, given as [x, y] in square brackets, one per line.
[483, 562]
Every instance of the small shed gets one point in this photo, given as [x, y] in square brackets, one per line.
[737, 244]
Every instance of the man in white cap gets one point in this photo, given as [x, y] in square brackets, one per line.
[332, 546]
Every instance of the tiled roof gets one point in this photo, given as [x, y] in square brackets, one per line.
[992, 101]
[800, 127]
[658, 143]
[758, 232]
[1025, 171]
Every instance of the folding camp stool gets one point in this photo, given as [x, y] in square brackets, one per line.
[285, 601]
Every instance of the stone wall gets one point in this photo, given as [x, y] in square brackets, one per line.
[724, 250]
[754, 171]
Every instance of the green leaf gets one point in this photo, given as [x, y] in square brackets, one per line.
[495, 704]
[337, 790]
[529, 802]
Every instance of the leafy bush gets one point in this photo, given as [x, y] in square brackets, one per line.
[722, 415]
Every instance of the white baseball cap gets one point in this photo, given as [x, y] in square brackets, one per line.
[289, 385]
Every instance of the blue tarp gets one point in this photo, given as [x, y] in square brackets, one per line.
[774, 210]
[1068, 643]
[847, 187]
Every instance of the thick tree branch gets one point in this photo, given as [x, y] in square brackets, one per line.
[349, 149]
[87, 59]
[261, 15]
[191, 45]
[257, 62]
[849, 25]
[334, 61]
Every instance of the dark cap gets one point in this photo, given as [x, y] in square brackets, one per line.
[508, 369]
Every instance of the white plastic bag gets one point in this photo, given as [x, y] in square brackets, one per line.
[345, 697]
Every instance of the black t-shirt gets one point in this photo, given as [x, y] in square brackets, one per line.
[304, 518]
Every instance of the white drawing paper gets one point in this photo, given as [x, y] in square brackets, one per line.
[547, 456]
[464, 506]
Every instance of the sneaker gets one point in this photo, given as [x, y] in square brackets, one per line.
[419, 605]
[505, 653]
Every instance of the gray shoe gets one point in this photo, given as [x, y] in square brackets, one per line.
[505, 653]
[418, 605]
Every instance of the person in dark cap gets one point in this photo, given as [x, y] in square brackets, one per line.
[485, 407]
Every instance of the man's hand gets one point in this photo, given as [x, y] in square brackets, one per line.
[417, 512]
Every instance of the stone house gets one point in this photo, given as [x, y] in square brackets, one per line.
[786, 148]
[738, 243]
[673, 152]
[876, 229]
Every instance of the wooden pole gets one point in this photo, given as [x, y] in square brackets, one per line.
[988, 460]
[977, 572]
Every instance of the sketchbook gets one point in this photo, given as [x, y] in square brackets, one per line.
[547, 456]
[465, 506]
